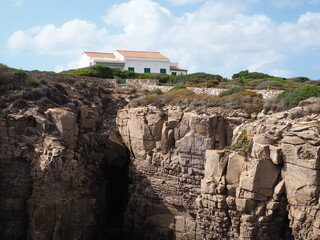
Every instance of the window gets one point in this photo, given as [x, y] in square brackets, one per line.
[131, 69]
[163, 70]
[174, 73]
[147, 70]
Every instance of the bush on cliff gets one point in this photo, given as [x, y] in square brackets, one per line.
[249, 101]
[291, 98]
[98, 71]
[231, 91]
[178, 87]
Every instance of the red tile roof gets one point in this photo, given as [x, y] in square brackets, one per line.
[141, 54]
[100, 55]
[176, 68]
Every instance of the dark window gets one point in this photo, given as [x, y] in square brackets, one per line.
[174, 73]
[131, 69]
[163, 70]
[147, 70]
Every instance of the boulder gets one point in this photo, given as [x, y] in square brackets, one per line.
[260, 177]
[65, 122]
[234, 168]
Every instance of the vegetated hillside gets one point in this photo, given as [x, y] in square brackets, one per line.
[255, 80]
[46, 87]
[246, 79]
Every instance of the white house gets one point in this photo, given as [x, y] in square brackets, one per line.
[136, 61]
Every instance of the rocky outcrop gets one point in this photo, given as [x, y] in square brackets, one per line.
[218, 176]
[169, 148]
[63, 169]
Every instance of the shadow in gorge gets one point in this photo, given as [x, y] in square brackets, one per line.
[116, 175]
[147, 217]
[128, 206]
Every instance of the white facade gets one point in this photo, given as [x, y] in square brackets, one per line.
[140, 65]
[137, 61]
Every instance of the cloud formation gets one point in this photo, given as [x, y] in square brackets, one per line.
[218, 37]
[66, 40]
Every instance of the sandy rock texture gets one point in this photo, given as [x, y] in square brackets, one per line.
[221, 176]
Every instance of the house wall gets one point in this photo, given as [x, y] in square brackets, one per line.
[84, 61]
[137, 63]
[154, 64]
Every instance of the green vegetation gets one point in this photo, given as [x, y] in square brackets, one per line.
[245, 79]
[177, 87]
[231, 90]
[256, 80]
[250, 75]
[293, 96]
[242, 140]
[3, 65]
[250, 102]
[20, 74]
[243, 144]
[34, 83]
[194, 79]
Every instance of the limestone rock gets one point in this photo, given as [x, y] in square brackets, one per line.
[65, 122]
[234, 168]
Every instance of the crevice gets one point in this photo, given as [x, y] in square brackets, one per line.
[116, 173]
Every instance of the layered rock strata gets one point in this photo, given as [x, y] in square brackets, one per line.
[168, 148]
[191, 181]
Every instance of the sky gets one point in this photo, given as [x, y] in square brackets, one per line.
[277, 37]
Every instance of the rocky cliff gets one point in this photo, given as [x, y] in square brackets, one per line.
[63, 168]
[221, 176]
[74, 167]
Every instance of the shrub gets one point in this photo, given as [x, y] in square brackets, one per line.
[3, 65]
[212, 83]
[175, 88]
[231, 90]
[249, 101]
[292, 97]
[243, 143]
[103, 71]
[250, 75]
[299, 79]
[156, 91]
[20, 74]
[67, 80]
[34, 83]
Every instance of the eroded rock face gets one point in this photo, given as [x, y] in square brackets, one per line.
[169, 155]
[63, 172]
[185, 186]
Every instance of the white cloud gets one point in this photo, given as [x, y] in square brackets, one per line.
[219, 37]
[71, 65]
[66, 40]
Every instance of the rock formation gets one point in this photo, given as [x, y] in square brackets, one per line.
[74, 167]
[63, 168]
[218, 176]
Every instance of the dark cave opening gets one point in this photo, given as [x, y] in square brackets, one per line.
[116, 173]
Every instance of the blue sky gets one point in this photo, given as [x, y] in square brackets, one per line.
[278, 37]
